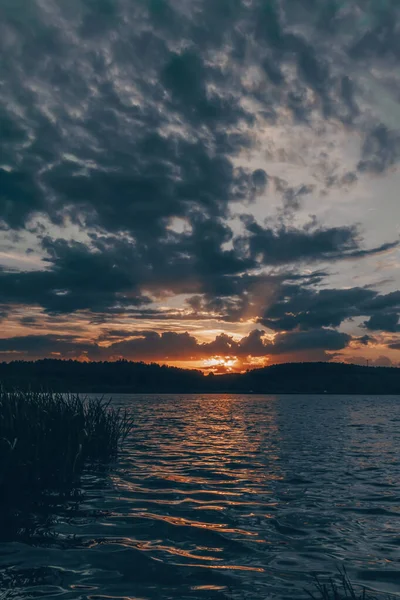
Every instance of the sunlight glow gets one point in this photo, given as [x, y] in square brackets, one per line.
[228, 362]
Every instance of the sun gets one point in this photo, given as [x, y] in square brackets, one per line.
[218, 362]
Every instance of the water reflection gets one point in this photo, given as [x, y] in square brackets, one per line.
[227, 497]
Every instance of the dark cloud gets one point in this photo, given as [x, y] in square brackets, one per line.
[395, 346]
[78, 279]
[150, 345]
[292, 197]
[118, 272]
[131, 135]
[260, 181]
[381, 39]
[36, 346]
[365, 340]
[310, 244]
[17, 185]
[120, 118]
[385, 321]
[30, 322]
[383, 302]
[154, 346]
[136, 113]
[299, 308]
[380, 151]
[113, 271]
[190, 83]
[316, 339]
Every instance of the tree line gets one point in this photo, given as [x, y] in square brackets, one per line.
[137, 377]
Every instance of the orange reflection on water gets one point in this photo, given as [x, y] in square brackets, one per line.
[180, 521]
[180, 552]
[226, 567]
[190, 480]
[211, 588]
[102, 597]
[137, 488]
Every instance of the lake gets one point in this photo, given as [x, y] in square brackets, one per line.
[223, 496]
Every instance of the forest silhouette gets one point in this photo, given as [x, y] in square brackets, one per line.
[138, 377]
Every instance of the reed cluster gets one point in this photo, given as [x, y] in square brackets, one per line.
[48, 439]
[342, 590]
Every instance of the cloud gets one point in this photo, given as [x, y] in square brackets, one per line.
[380, 151]
[79, 279]
[299, 308]
[292, 197]
[121, 132]
[365, 340]
[35, 346]
[383, 361]
[315, 343]
[170, 346]
[383, 301]
[113, 272]
[118, 119]
[139, 109]
[310, 244]
[385, 321]
[381, 37]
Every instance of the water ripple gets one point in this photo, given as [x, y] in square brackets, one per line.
[228, 497]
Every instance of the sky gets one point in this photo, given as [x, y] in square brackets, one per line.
[200, 183]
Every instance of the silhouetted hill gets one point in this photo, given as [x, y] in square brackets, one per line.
[318, 378]
[138, 377]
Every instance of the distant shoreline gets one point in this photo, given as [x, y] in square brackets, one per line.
[219, 393]
[123, 377]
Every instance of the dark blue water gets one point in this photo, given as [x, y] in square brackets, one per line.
[227, 497]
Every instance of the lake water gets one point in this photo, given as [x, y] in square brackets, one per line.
[237, 497]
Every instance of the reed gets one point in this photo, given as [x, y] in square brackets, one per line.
[341, 590]
[48, 439]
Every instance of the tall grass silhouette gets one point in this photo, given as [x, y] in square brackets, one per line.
[342, 590]
[48, 439]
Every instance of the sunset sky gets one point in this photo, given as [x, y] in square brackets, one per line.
[202, 183]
